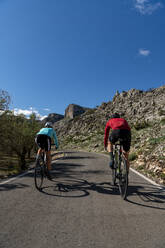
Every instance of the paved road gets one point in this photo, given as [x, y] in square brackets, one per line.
[81, 209]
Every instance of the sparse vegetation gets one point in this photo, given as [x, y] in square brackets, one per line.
[161, 112]
[141, 125]
[162, 121]
[133, 156]
[158, 140]
[140, 168]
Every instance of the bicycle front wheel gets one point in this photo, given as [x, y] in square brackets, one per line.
[38, 175]
[123, 178]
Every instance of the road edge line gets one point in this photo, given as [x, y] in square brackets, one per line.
[20, 175]
[139, 174]
[14, 177]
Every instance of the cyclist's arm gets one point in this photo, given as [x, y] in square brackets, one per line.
[106, 134]
[55, 139]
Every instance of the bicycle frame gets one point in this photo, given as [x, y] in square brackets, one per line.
[120, 171]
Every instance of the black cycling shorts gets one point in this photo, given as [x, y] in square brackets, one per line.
[43, 141]
[124, 135]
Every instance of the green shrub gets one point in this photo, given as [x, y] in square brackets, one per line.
[162, 121]
[154, 141]
[141, 167]
[161, 112]
[162, 175]
[141, 125]
[133, 156]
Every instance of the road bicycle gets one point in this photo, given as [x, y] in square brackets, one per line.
[40, 170]
[120, 170]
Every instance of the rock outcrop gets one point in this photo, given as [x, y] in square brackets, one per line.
[74, 110]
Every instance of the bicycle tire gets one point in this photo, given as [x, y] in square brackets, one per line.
[114, 174]
[39, 173]
[123, 178]
[115, 166]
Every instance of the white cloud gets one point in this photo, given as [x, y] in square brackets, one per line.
[147, 6]
[22, 111]
[46, 109]
[144, 52]
[28, 112]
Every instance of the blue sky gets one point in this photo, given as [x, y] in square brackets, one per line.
[57, 52]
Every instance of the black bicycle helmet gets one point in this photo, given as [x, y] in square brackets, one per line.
[115, 115]
[48, 124]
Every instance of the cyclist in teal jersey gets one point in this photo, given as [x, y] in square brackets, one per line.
[44, 139]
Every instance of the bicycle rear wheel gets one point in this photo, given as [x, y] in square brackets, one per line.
[114, 173]
[39, 173]
[123, 178]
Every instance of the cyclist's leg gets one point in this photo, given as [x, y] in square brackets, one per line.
[126, 135]
[48, 156]
[48, 159]
[39, 152]
[40, 142]
[110, 146]
[112, 139]
[47, 148]
[110, 150]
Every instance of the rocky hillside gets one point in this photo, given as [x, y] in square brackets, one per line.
[74, 110]
[145, 112]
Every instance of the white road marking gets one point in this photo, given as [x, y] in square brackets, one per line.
[14, 178]
[147, 179]
[21, 175]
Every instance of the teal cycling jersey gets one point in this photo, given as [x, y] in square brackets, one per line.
[49, 132]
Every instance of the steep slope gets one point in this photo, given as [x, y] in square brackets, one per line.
[145, 112]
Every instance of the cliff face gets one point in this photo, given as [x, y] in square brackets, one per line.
[144, 111]
[74, 110]
[53, 118]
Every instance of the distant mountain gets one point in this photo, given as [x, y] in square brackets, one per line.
[71, 111]
[52, 118]
[145, 112]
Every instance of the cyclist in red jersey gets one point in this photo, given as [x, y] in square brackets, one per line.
[120, 129]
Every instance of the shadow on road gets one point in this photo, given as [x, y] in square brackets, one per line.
[11, 186]
[74, 187]
[146, 195]
[74, 180]
[69, 183]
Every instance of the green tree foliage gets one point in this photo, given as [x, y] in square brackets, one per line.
[17, 135]
[4, 100]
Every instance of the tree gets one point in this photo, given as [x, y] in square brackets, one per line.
[4, 100]
[18, 135]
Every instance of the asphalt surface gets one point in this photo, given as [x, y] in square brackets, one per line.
[80, 208]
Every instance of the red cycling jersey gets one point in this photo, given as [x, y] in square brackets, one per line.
[115, 123]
